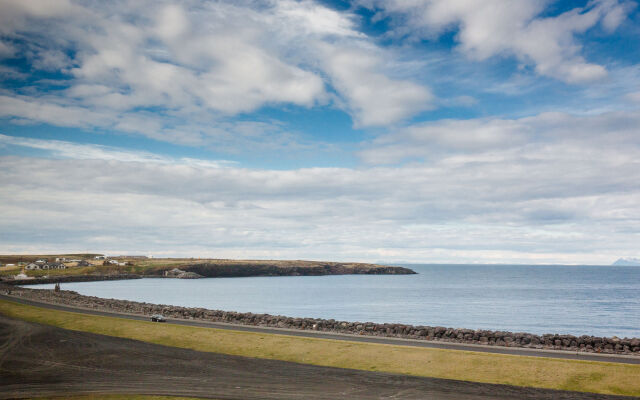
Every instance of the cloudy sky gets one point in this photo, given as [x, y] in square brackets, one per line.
[442, 131]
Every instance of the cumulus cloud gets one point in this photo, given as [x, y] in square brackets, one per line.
[192, 59]
[373, 98]
[497, 27]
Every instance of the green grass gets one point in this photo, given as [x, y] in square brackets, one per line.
[588, 376]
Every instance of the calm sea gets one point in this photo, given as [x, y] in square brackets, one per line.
[602, 301]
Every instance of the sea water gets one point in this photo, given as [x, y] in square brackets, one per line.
[590, 300]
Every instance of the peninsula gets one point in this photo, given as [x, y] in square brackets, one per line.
[35, 269]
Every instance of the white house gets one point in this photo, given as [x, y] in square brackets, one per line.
[33, 266]
[54, 266]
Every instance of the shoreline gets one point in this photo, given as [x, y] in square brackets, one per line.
[550, 342]
[71, 278]
[218, 269]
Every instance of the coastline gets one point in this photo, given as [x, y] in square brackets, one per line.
[70, 278]
[219, 269]
[581, 344]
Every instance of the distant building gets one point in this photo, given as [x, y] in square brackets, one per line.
[54, 266]
[83, 263]
[100, 257]
[33, 266]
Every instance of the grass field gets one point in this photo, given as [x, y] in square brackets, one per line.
[597, 377]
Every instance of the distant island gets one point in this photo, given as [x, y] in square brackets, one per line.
[627, 262]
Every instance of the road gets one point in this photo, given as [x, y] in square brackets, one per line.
[353, 338]
[40, 360]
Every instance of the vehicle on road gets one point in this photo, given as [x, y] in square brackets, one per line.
[158, 318]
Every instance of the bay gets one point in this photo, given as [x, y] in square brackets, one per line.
[589, 300]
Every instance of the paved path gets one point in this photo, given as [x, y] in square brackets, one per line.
[353, 338]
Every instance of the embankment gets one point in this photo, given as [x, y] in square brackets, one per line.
[612, 345]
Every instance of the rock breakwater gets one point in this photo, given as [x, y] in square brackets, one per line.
[607, 345]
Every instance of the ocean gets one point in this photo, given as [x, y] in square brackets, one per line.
[578, 300]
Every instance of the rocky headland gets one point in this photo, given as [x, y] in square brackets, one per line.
[225, 269]
[289, 268]
[593, 344]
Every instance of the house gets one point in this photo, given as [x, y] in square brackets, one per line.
[54, 266]
[33, 266]
[100, 257]
[61, 259]
[41, 261]
[115, 262]
[83, 263]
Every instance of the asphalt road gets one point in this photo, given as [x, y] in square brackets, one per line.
[39, 360]
[353, 338]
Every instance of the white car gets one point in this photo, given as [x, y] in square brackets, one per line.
[158, 318]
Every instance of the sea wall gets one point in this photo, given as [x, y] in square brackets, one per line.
[610, 345]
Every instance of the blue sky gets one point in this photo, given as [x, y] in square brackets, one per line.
[423, 131]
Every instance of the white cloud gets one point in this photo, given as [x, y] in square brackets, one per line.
[497, 27]
[572, 198]
[68, 150]
[580, 135]
[190, 58]
[372, 97]
[199, 130]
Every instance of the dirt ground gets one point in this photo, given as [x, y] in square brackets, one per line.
[38, 360]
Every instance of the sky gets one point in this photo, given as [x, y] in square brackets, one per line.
[424, 131]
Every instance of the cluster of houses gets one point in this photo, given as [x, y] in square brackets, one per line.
[44, 264]
[58, 264]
